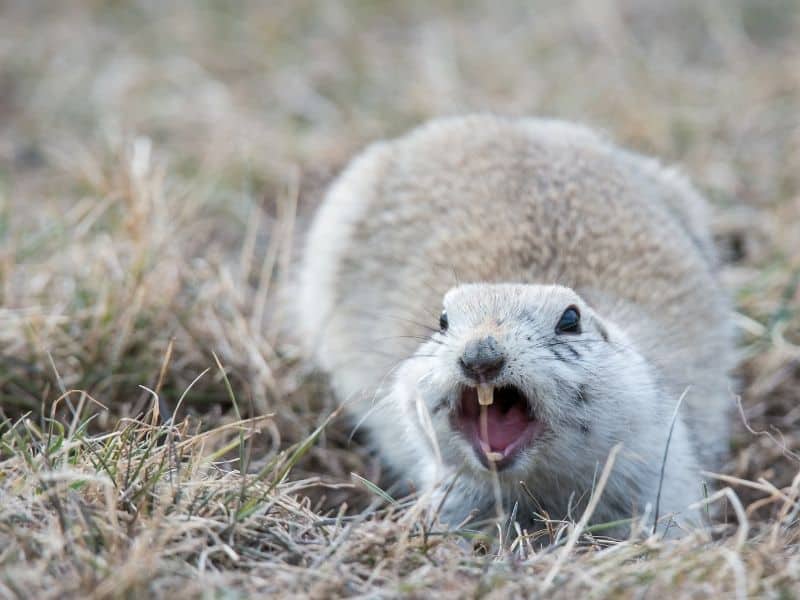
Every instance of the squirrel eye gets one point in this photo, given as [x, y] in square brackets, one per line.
[443, 321]
[570, 321]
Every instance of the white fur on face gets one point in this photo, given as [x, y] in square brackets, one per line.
[557, 373]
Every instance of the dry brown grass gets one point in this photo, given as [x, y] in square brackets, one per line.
[158, 163]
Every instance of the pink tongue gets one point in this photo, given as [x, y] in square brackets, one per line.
[503, 429]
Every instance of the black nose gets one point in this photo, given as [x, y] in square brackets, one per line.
[482, 359]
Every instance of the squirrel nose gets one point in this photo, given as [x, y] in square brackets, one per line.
[482, 359]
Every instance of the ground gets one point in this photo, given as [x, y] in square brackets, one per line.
[158, 165]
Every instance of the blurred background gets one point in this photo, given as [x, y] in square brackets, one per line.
[158, 162]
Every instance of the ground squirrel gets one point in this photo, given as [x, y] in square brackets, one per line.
[502, 301]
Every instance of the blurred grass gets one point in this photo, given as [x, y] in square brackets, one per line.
[158, 163]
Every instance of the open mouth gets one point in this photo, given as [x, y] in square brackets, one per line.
[498, 422]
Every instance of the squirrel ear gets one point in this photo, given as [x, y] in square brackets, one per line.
[598, 322]
[601, 328]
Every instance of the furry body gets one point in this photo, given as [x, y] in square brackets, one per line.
[484, 216]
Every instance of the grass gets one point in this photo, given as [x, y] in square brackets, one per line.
[158, 164]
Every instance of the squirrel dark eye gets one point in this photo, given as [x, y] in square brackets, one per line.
[443, 321]
[570, 321]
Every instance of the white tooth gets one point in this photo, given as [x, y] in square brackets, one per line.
[484, 428]
[485, 394]
[494, 456]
